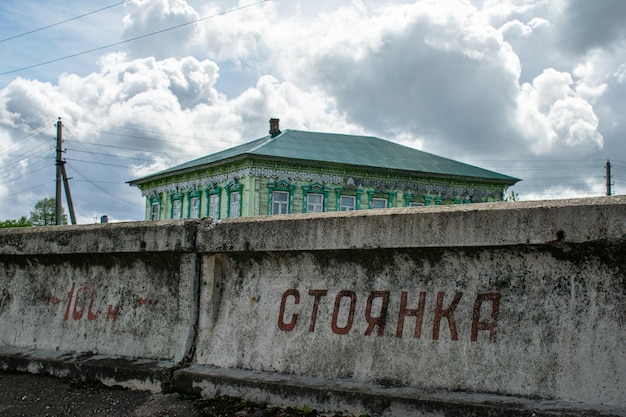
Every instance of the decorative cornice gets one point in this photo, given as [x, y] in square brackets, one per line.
[203, 183]
[206, 182]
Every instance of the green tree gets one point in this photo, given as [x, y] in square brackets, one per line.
[513, 196]
[44, 213]
[22, 222]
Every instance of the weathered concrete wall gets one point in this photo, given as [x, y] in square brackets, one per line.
[121, 289]
[518, 299]
[513, 299]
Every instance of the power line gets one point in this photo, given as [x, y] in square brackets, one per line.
[128, 149]
[98, 182]
[24, 140]
[103, 190]
[8, 170]
[135, 38]
[61, 22]
[97, 163]
[109, 154]
[142, 130]
[144, 138]
[26, 174]
[31, 188]
[30, 153]
[94, 157]
[14, 166]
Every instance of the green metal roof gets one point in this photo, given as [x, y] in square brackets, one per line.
[361, 151]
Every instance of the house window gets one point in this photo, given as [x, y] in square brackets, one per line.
[280, 202]
[194, 208]
[235, 204]
[314, 198]
[155, 213]
[379, 203]
[314, 203]
[415, 204]
[280, 197]
[214, 206]
[176, 208]
[347, 203]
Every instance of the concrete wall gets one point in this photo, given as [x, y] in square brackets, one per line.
[115, 289]
[514, 299]
[524, 299]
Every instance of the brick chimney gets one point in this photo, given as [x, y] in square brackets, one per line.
[274, 129]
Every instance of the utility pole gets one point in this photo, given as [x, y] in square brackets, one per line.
[62, 176]
[59, 163]
[607, 166]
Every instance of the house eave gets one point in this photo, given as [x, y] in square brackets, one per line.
[312, 163]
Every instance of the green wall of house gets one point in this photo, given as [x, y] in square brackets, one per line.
[254, 181]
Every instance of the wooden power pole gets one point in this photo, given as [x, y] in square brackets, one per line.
[62, 176]
[607, 166]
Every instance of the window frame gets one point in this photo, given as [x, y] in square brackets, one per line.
[341, 205]
[155, 199]
[234, 204]
[376, 200]
[194, 209]
[156, 204]
[176, 201]
[282, 186]
[315, 188]
[211, 192]
[194, 195]
[320, 205]
[213, 209]
[234, 209]
[280, 206]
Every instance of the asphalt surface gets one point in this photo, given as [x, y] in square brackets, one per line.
[31, 395]
[38, 395]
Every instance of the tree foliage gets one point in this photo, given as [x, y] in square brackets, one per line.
[513, 196]
[44, 213]
[22, 222]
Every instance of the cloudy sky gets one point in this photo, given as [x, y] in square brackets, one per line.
[535, 89]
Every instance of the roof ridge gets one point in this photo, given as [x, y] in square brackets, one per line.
[270, 138]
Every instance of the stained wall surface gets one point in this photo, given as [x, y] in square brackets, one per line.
[521, 299]
[117, 289]
[514, 299]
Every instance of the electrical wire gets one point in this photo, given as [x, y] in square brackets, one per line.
[109, 154]
[129, 149]
[97, 163]
[23, 141]
[94, 157]
[29, 154]
[61, 22]
[6, 170]
[102, 189]
[147, 131]
[143, 138]
[135, 38]
[12, 180]
[37, 186]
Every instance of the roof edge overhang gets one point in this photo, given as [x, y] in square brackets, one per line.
[510, 181]
[505, 181]
[182, 171]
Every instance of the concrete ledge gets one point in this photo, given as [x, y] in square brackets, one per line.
[131, 237]
[484, 224]
[142, 374]
[326, 395]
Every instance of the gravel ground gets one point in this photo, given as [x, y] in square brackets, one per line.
[38, 395]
